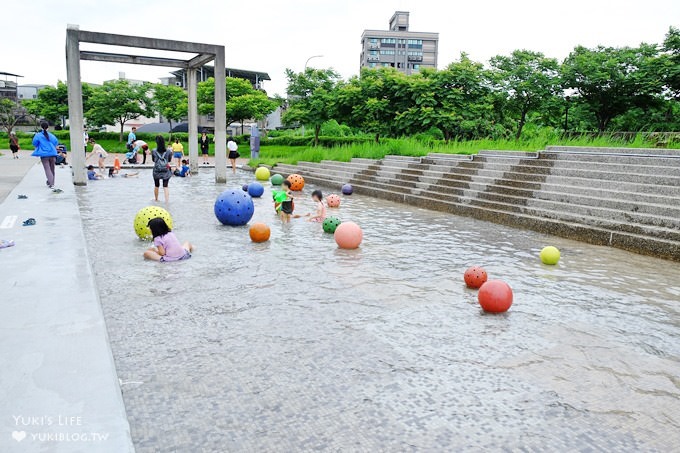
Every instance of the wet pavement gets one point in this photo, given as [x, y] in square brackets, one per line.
[294, 345]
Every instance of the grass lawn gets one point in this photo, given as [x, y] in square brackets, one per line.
[270, 155]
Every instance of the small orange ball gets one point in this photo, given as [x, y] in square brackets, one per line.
[297, 182]
[475, 277]
[259, 232]
[495, 296]
[333, 200]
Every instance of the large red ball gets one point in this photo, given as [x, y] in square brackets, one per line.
[495, 296]
[475, 277]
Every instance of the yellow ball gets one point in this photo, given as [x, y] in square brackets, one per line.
[142, 220]
[262, 174]
[550, 255]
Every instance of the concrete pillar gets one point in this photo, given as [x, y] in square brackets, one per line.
[193, 119]
[220, 117]
[75, 105]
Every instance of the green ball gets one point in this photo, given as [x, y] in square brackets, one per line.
[550, 255]
[277, 180]
[262, 174]
[330, 224]
[142, 220]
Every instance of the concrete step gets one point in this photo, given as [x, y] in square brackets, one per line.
[636, 242]
[615, 151]
[662, 217]
[450, 178]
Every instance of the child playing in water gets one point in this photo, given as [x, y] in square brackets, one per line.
[320, 214]
[167, 246]
[101, 155]
[91, 174]
[283, 202]
[184, 171]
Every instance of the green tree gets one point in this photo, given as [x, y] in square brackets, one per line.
[611, 81]
[528, 80]
[311, 97]
[372, 101]
[456, 100]
[52, 102]
[243, 101]
[119, 101]
[10, 114]
[255, 105]
[171, 102]
[670, 62]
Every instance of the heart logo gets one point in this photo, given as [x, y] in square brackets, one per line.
[19, 435]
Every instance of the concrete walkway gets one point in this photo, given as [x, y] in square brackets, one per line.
[59, 391]
[12, 171]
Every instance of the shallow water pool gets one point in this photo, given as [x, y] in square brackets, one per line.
[295, 345]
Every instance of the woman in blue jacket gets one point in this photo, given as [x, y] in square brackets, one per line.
[45, 144]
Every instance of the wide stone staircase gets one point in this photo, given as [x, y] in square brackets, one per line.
[622, 197]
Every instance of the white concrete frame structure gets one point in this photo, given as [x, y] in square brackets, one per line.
[204, 53]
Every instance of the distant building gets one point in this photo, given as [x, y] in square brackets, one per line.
[29, 91]
[179, 77]
[8, 88]
[399, 48]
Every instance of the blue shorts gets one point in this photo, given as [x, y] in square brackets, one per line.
[177, 155]
[186, 256]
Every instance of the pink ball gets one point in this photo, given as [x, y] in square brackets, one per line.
[348, 235]
[333, 201]
[495, 296]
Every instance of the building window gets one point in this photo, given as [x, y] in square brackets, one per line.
[373, 52]
[387, 52]
[415, 42]
[371, 65]
[386, 65]
[373, 40]
[416, 52]
[416, 67]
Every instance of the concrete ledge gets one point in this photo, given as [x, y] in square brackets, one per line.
[508, 154]
[59, 391]
[622, 151]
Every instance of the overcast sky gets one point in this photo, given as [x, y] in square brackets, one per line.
[271, 35]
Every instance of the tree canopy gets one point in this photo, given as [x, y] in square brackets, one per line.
[243, 101]
[171, 102]
[119, 101]
[311, 96]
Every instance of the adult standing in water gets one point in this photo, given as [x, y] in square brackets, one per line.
[233, 153]
[45, 144]
[162, 156]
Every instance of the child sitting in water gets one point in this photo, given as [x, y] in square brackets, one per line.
[167, 246]
[320, 214]
[91, 174]
[283, 202]
[184, 171]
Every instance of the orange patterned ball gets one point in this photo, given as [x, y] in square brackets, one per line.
[297, 182]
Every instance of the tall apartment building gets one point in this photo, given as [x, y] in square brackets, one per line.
[407, 51]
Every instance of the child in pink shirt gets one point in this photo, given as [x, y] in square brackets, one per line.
[167, 246]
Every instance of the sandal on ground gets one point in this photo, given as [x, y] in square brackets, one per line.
[4, 243]
[29, 222]
[22, 197]
[57, 191]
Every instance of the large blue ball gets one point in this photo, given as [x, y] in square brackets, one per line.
[234, 207]
[255, 189]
